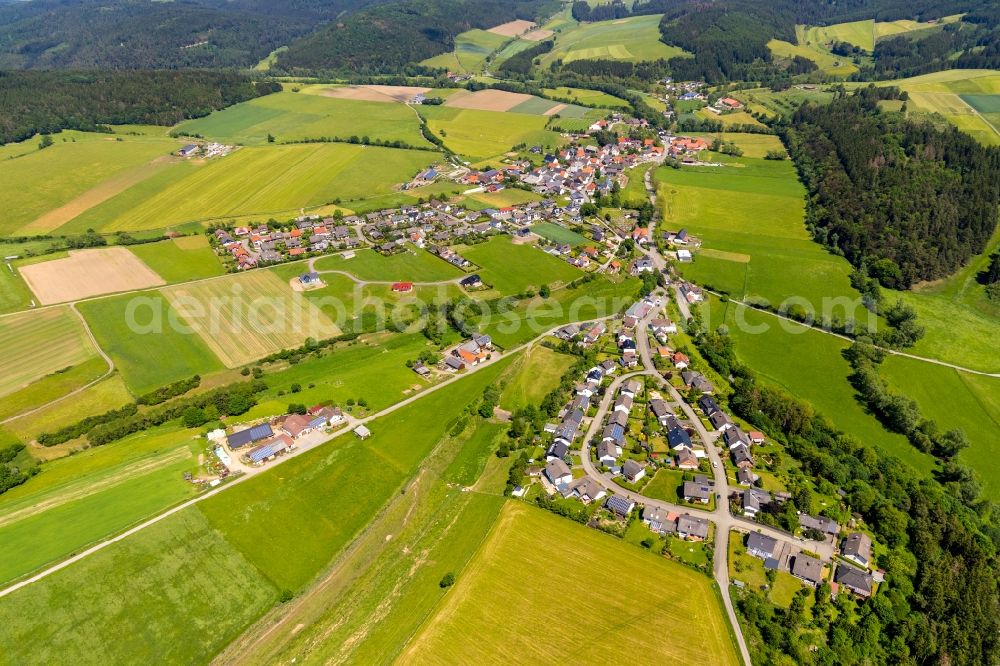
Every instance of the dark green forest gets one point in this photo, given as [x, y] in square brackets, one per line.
[903, 201]
[44, 102]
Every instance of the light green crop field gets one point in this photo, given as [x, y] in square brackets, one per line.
[755, 207]
[471, 50]
[559, 234]
[858, 33]
[43, 180]
[60, 518]
[242, 318]
[174, 593]
[752, 145]
[955, 399]
[826, 61]
[275, 179]
[414, 265]
[634, 39]
[290, 116]
[589, 97]
[535, 374]
[180, 259]
[332, 492]
[511, 268]
[52, 386]
[155, 352]
[808, 364]
[893, 28]
[38, 343]
[510, 196]
[480, 135]
[525, 574]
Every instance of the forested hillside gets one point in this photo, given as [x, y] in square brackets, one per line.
[34, 102]
[906, 201]
[383, 39]
[137, 34]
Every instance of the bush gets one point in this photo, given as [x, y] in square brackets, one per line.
[447, 580]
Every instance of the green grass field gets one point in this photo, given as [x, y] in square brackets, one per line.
[729, 119]
[414, 265]
[14, 293]
[634, 39]
[537, 372]
[43, 180]
[755, 207]
[894, 28]
[588, 97]
[480, 135]
[955, 400]
[858, 33]
[784, 102]
[39, 343]
[332, 492]
[180, 259]
[175, 593]
[471, 50]
[752, 145]
[107, 394]
[559, 234]
[273, 180]
[808, 364]
[528, 572]
[56, 517]
[510, 196]
[290, 116]
[511, 268]
[825, 60]
[52, 386]
[147, 360]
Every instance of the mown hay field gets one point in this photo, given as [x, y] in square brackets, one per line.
[180, 259]
[246, 317]
[290, 116]
[526, 573]
[273, 180]
[40, 181]
[511, 269]
[38, 343]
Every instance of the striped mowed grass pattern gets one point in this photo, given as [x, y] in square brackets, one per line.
[39, 343]
[245, 317]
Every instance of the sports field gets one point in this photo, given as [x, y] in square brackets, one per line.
[87, 273]
[513, 268]
[471, 50]
[414, 265]
[480, 135]
[246, 317]
[524, 575]
[955, 400]
[858, 33]
[634, 39]
[290, 116]
[44, 180]
[175, 593]
[36, 344]
[180, 259]
[273, 179]
[808, 364]
[755, 207]
[152, 352]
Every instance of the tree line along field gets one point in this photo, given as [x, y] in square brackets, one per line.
[294, 116]
[527, 572]
[753, 207]
[635, 38]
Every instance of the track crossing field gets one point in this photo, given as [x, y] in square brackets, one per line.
[38, 343]
[525, 574]
[272, 179]
[245, 317]
[290, 116]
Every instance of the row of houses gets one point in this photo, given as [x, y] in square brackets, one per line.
[470, 353]
[810, 570]
[685, 526]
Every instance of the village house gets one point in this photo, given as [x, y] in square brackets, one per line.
[694, 491]
[761, 546]
[633, 471]
[753, 499]
[692, 528]
[807, 569]
[857, 547]
[619, 505]
[558, 472]
[855, 580]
